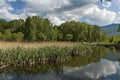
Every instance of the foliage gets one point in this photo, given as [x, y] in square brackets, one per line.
[42, 36]
[18, 36]
[82, 32]
[7, 34]
[114, 39]
[68, 37]
[32, 56]
[35, 28]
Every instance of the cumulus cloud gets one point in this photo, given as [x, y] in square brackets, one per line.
[59, 11]
[5, 11]
[42, 7]
[48, 6]
[7, 15]
[73, 4]
[56, 20]
[93, 14]
[71, 10]
[117, 19]
[100, 16]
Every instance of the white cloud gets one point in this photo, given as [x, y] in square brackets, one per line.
[7, 15]
[54, 9]
[45, 6]
[93, 14]
[117, 19]
[56, 20]
[5, 11]
[100, 16]
[11, 0]
[107, 4]
[59, 11]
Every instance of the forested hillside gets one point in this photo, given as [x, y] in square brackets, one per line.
[41, 29]
[111, 29]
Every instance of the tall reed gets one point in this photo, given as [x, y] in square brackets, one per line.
[32, 56]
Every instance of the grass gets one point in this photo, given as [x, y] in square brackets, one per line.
[10, 45]
[41, 55]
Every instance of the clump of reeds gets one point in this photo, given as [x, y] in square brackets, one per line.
[32, 56]
[81, 50]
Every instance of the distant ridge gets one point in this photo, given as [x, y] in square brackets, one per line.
[111, 29]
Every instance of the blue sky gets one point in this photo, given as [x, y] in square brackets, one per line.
[59, 11]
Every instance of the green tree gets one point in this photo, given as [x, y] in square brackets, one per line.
[13, 25]
[41, 36]
[41, 25]
[3, 24]
[69, 37]
[80, 31]
[20, 36]
[14, 37]
[53, 34]
[59, 36]
[17, 36]
[1, 35]
[30, 27]
[7, 34]
[36, 28]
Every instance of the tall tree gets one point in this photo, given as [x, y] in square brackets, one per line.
[14, 25]
[30, 29]
[3, 25]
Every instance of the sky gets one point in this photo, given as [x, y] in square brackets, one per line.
[59, 11]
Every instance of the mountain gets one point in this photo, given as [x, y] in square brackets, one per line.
[111, 29]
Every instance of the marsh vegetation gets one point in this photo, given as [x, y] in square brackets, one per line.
[41, 55]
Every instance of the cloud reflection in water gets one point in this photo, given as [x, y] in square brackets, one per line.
[103, 68]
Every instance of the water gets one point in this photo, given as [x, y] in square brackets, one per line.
[102, 65]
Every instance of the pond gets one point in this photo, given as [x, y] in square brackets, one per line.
[103, 64]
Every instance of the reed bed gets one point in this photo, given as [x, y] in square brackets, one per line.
[10, 45]
[41, 55]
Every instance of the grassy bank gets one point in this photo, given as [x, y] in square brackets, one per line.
[10, 45]
[41, 55]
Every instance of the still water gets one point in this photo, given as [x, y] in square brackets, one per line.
[103, 64]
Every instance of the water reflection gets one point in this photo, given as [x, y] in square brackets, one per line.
[95, 70]
[101, 65]
[103, 70]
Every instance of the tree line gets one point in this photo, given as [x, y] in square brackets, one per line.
[35, 28]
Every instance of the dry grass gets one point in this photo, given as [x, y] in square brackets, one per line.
[6, 45]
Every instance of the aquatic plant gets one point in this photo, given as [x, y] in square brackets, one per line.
[32, 56]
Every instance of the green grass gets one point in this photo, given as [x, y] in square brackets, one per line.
[42, 55]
